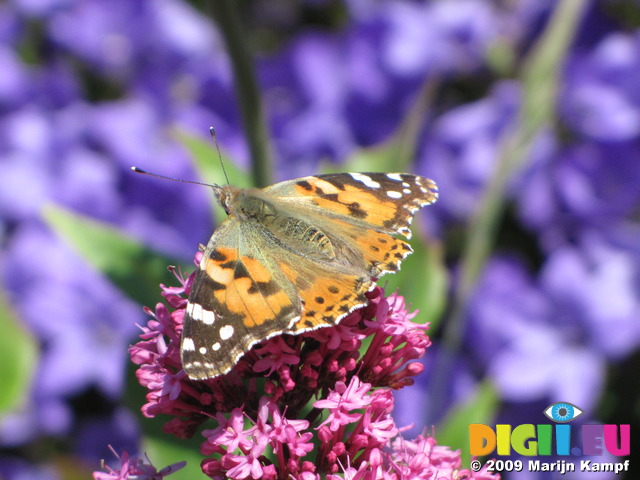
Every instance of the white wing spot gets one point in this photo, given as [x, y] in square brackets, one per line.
[405, 185]
[196, 311]
[215, 347]
[188, 345]
[208, 317]
[226, 332]
[367, 180]
[190, 308]
[394, 176]
[394, 194]
[202, 350]
[407, 191]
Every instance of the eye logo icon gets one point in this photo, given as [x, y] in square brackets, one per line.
[562, 412]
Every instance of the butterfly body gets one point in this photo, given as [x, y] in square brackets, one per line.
[293, 257]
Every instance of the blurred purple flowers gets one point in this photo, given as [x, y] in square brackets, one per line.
[89, 88]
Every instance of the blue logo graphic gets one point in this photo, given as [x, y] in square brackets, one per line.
[562, 412]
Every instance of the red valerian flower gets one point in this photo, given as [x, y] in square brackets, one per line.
[296, 369]
[302, 407]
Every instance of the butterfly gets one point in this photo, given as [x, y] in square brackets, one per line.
[294, 257]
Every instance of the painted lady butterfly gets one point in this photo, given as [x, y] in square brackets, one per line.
[294, 257]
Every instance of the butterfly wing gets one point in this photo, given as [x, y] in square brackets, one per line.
[235, 301]
[382, 201]
[361, 212]
[305, 269]
[249, 288]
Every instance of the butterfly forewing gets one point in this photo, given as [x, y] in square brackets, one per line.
[293, 257]
[237, 299]
[383, 201]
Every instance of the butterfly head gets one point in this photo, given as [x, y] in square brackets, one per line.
[226, 195]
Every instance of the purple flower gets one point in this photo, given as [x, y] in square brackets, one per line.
[15, 469]
[440, 37]
[415, 407]
[308, 121]
[14, 81]
[62, 142]
[54, 281]
[599, 98]
[41, 8]
[329, 94]
[584, 187]
[514, 328]
[592, 289]
[463, 146]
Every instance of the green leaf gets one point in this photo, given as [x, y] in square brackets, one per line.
[480, 408]
[380, 158]
[422, 280]
[132, 267]
[205, 157]
[18, 358]
[540, 84]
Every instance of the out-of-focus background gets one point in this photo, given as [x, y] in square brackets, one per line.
[525, 112]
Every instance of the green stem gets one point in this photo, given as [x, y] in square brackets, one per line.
[404, 143]
[540, 78]
[247, 92]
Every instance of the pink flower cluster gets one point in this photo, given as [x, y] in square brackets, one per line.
[242, 453]
[309, 406]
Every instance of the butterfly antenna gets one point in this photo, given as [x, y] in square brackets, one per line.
[215, 140]
[139, 170]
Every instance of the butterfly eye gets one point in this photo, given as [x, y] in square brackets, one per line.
[562, 412]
